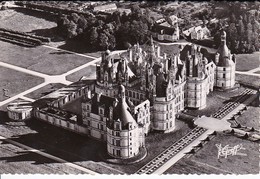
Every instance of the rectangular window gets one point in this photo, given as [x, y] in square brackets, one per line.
[117, 142]
[130, 93]
[137, 95]
[133, 94]
[118, 153]
[117, 134]
[224, 75]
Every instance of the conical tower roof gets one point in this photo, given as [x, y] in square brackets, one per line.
[122, 110]
[224, 52]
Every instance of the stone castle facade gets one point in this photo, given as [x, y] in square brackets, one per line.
[142, 90]
[150, 89]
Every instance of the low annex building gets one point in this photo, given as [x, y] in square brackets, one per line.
[138, 91]
[20, 110]
[166, 29]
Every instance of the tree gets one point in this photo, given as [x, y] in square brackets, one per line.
[93, 39]
[74, 17]
[62, 25]
[232, 36]
[71, 30]
[82, 22]
[136, 12]
[103, 41]
[138, 32]
[241, 29]
[249, 33]
[233, 18]
[256, 42]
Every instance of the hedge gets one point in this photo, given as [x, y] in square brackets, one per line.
[43, 39]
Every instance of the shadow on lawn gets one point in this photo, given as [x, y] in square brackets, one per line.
[53, 140]
[38, 14]
[57, 142]
[243, 98]
[77, 46]
[47, 32]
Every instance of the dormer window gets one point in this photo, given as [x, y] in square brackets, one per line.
[117, 125]
[106, 77]
[101, 111]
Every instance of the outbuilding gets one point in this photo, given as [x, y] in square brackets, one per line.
[20, 110]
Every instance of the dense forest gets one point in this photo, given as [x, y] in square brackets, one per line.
[107, 31]
[119, 30]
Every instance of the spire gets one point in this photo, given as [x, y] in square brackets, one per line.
[223, 37]
[224, 52]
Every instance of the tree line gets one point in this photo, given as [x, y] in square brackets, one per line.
[242, 27]
[107, 31]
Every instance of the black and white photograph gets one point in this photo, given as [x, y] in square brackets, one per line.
[130, 87]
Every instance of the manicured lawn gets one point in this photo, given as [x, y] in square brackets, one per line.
[169, 49]
[40, 59]
[258, 72]
[246, 62]
[19, 21]
[248, 80]
[205, 161]
[250, 118]
[44, 90]
[16, 82]
[89, 72]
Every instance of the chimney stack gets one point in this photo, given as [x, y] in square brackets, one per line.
[115, 102]
[217, 58]
[98, 96]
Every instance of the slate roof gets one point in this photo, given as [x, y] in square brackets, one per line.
[104, 102]
[163, 29]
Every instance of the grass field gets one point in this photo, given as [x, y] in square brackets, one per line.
[15, 160]
[248, 80]
[206, 161]
[257, 72]
[14, 20]
[44, 90]
[89, 72]
[16, 82]
[40, 59]
[246, 62]
[250, 118]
